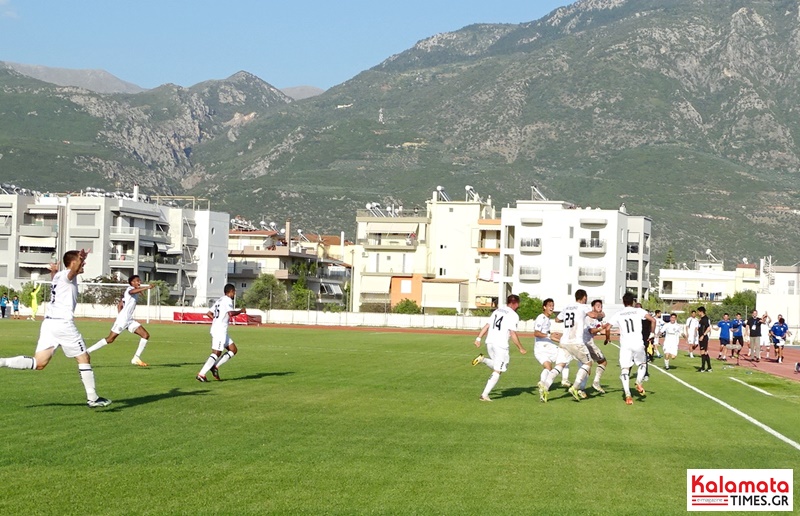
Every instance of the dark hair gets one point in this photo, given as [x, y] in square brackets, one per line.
[694, 311]
[726, 313]
[673, 314]
[580, 294]
[596, 301]
[548, 300]
[512, 298]
[130, 280]
[627, 298]
[739, 314]
[71, 256]
[701, 309]
[228, 288]
[658, 311]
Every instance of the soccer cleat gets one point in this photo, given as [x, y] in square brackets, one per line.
[647, 378]
[138, 361]
[582, 394]
[566, 383]
[708, 370]
[628, 400]
[201, 378]
[475, 361]
[575, 394]
[640, 390]
[215, 373]
[598, 388]
[542, 392]
[485, 398]
[666, 367]
[99, 402]
[691, 355]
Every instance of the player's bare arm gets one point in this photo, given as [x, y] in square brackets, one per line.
[481, 334]
[76, 267]
[141, 289]
[515, 340]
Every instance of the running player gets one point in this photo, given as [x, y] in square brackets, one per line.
[502, 325]
[221, 314]
[691, 333]
[657, 331]
[779, 332]
[593, 328]
[58, 328]
[631, 347]
[724, 326]
[125, 309]
[672, 335]
[574, 318]
[546, 351]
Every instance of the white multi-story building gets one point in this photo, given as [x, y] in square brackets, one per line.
[707, 281]
[440, 256]
[553, 248]
[171, 239]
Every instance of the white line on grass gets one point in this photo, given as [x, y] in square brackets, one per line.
[762, 391]
[790, 442]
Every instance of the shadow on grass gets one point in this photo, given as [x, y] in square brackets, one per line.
[258, 376]
[516, 391]
[118, 405]
[128, 365]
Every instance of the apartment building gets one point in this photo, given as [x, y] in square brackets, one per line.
[176, 240]
[706, 280]
[441, 256]
[553, 248]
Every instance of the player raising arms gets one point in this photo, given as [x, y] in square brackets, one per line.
[502, 325]
[58, 328]
[631, 347]
[221, 314]
[126, 308]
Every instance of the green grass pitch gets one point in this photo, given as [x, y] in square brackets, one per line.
[317, 421]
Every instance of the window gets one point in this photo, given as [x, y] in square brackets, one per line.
[442, 246]
[405, 286]
[84, 219]
[84, 244]
[791, 288]
[569, 264]
[210, 281]
[442, 271]
[569, 289]
[244, 285]
[213, 231]
[212, 255]
[3, 271]
[451, 210]
[571, 232]
[3, 244]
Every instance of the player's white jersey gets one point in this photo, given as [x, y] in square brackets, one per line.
[629, 322]
[128, 305]
[63, 296]
[673, 333]
[221, 311]
[502, 322]
[589, 325]
[542, 324]
[574, 317]
[659, 325]
[691, 326]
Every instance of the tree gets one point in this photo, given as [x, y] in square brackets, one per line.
[745, 299]
[27, 290]
[300, 296]
[407, 306]
[669, 261]
[529, 307]
[266, 293]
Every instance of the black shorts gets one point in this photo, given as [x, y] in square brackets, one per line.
[704, 343]
[738, 340]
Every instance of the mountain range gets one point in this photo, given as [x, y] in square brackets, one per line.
[683, 110]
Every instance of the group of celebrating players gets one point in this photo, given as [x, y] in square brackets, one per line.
[58, 328]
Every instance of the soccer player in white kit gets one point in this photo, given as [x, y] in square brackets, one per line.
[672, 335]
[58, 328]
[593, 328]
[574, 318]
[221, 314]
[501, 327]
[546, 351]
[692, 325]
[631, 347]
[124, 321]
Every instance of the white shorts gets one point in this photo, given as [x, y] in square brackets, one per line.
[595, 353]
[499, 356]
[692, 339]
[578, 352]
[671, 349]
[629, 356]
[129, 324]
[764, 341]
[61, 332]
[545, 351]
[220, 342]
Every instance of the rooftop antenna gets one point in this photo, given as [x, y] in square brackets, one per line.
[442, 194]
[536, 194]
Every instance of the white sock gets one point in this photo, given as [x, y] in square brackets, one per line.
[488, 362]
[626, 384]
[640, 373]
[87, 377]
[666, 362]
[99, 344]
[544, 375]
[601, 368]
[551, 377]
[583, 374]
[224, 358]
[18, 362]
[140, 350]
[490, 384]
[210, 361]
[565, 374]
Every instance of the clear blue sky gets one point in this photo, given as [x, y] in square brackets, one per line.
[286, 43]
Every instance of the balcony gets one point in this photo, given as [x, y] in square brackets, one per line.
[530, 245]
[33, 259]
[530, 274]
[243, 270]
[592, 246]
[394, 243]
[33, 230]
[591, 275]
[531, 221]
[593, 221]
[123, 234]
[632, 276]
[191, 241]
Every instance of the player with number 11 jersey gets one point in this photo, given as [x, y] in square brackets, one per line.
[631, 346]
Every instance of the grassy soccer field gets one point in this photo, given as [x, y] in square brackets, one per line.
[344, 422]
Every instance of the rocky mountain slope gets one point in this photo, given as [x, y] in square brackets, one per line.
[685, 110]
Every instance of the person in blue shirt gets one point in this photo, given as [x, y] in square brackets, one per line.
[3, 305]
[724, 326]
[779, 332]
[15, 306]
[737, 328]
